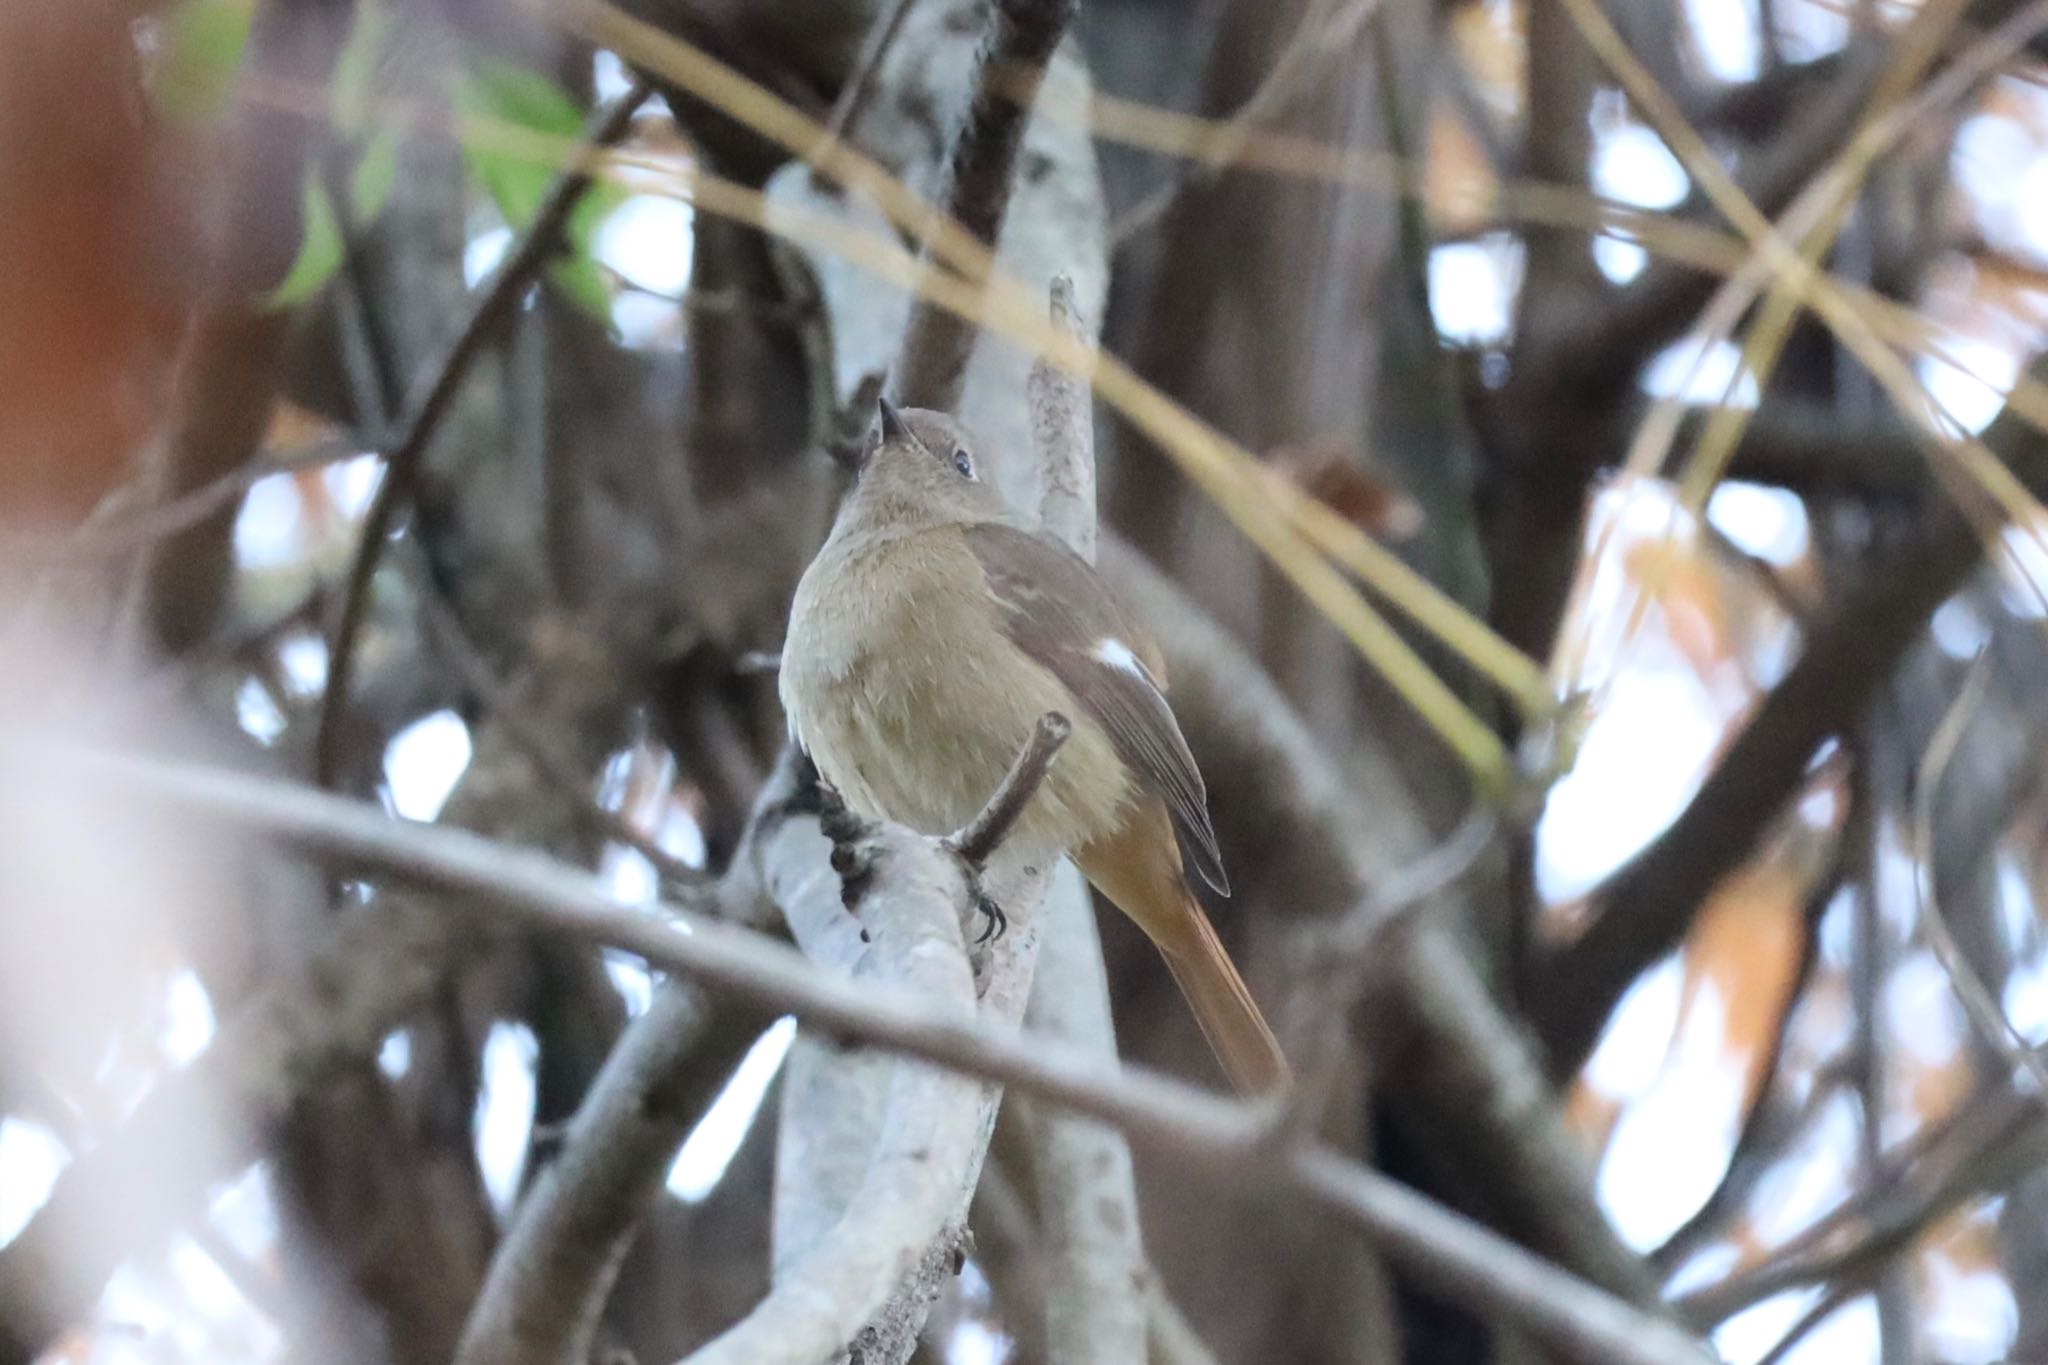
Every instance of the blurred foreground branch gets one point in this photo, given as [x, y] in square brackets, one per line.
[1580, 1321]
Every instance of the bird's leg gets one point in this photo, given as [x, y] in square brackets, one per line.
[852, 854]
[973, 842]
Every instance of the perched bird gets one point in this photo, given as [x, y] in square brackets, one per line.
[926, 640]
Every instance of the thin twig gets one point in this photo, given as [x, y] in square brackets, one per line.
[495, 305]
[1582, 1322]
[979, 174]
[103, 536]
[1348, 954]
[853, 96]
[473, 672]
[1826, 1306]
[1991, 1144]
[1284, 82]
[1994, 1026]
[979, 837]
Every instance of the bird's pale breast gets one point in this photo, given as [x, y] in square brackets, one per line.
[902, 685]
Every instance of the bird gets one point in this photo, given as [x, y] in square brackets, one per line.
[926, 639]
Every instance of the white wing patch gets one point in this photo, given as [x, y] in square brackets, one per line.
[1116, 654]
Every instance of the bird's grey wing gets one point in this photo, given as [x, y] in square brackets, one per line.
[1061, 614]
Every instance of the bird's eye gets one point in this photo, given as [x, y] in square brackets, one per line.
[963, 462]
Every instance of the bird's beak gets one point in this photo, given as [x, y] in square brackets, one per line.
[893, 426]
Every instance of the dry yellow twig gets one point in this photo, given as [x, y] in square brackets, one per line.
[1800, 280]
[1266, 510]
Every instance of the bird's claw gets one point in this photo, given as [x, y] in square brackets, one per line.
[998, 922]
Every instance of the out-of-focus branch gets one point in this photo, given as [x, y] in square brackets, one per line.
[369, 974]
[1580, 1321]
[229, 366]
[496, 304]
[980, 173]
[1807, 448]
[549, 1279]
[1314, 44]
[1646, 909]
[1994, 1027]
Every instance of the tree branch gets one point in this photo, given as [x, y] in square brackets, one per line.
[1581, 1322]
[369, 973]
[495, 305]
[550, 1277]
[980, 173]
[1648, 906]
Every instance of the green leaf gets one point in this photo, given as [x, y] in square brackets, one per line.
[320, 248]
[369, 187]
[203, 43]
[355, 70]
[496, 95]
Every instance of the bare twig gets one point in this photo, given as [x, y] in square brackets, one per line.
[1994, 1027]
[496, 304]
[860, 81]
[1993, 1142]
[1848, 652]
[105, 534]
[1825, 1307]
[1582, 1322]
[979, 177]
[979, 837]
[473, 671]
[1318, 37]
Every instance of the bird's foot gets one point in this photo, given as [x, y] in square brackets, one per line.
[853, 856]
[996, 921]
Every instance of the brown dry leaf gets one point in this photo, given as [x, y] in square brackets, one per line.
[1364, 495]
[293, 427]
[1591, 1116]
[1688, 585]
[1966, 1239]
[1459, 183]
[1747, 944]
[1931, 1091]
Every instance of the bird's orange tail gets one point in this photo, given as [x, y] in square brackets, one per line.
[1230, 1018]
[1139, 869]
